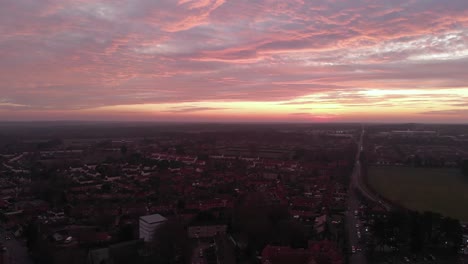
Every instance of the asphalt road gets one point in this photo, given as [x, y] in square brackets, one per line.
[356, 257]
[353, 224]
[357, 181]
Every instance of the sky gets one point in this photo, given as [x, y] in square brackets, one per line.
[234, 60]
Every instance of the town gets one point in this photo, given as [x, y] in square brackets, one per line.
[232, 193]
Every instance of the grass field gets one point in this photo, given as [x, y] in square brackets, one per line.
[442, 190]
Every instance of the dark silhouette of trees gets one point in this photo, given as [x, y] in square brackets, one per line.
[180, 150]
[417, 232]
[106, 187]
[171, 243]
[123, 150]
[464, 167]
[291, 233]
[452, 233]
[52, 143]
[108, 170]
[263, 222]
[48, 184]
[31, 234]
[299, 153]
[125, 233]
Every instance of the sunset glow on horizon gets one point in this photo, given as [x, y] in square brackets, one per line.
[234, 60]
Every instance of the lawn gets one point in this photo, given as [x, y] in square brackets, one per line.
[442, 190]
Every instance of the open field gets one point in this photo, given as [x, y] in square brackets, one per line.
[442, 190]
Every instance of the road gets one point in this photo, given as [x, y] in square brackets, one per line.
[17, 252]
[353, 223]
[357, 257]
[357, 181]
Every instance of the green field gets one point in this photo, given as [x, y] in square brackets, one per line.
[442, 190]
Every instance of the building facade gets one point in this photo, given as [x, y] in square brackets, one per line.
[148, 225]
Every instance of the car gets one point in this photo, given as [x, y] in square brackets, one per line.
[357, 225]
[406, 259]
[353, 249]
[7, 238]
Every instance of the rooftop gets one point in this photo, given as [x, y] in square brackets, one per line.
[154, 218]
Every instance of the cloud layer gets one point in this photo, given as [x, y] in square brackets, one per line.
[217, 59]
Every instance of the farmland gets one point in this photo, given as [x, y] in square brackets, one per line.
[442, 190]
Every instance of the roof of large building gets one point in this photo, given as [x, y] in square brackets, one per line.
[154, 218]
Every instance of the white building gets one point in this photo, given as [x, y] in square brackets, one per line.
[148, 225]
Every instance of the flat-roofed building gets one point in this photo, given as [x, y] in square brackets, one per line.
[148, 225]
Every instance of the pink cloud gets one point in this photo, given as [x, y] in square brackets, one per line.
[84, 54]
